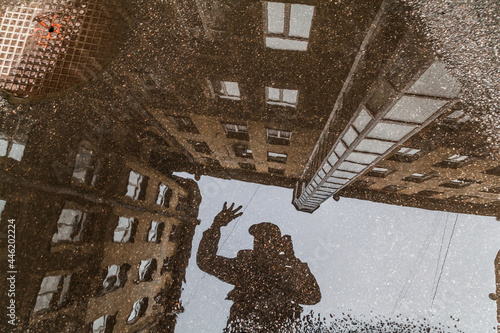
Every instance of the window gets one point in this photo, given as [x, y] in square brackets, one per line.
[164, 195]
[276, 171]
[494, 171]
[393, 188]
[419, 177]
[454, 161]
[174, 233]
[247, 166]
[283, 97]
[14, 136]
[234, 131]
[363, 183]
[154, 233]
[242, 150]
[278, 137]
[276, 157]
[70, 226]
[53, 292]
[146, 270]
[84, 170]
[212, 162]
[380, 172]
[457, 183]
[200, 147]
[456, 118]
[182, 203]
[138, 310]
[115, 278]
[2, 207]
[167, 265]
[229, 90]
[185, 124]
[427, 193]
[125, 231]
[287, 26]
[407, 155]
[137, 185]
[103, 324]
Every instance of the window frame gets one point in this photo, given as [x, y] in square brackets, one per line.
[163, 198]
[222, 93]
[80, 224]
[240, 131]
[58, 296]
[281, 101]
[238, 149]
[278, 139]
[277, 157]
[285, 34]
[140, 187]
[129, 232]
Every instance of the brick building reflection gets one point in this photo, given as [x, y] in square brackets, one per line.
[103, 235]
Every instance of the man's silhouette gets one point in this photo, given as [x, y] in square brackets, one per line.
[269, 281]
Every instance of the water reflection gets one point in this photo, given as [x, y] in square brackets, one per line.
[339, 99]
[270, 282]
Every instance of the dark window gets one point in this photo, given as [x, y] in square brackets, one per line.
[234, 131]
[457, 183]
[242, 150]
[276, 171]
[420, 177]
[393, 188]
[167, 265]
[427, 193]
[212, 162]
[276, 157]
[247, 166]
[185, 124]
[174, 233]
[380, 172]
[495, 171]
[278, 137]
[363, 183]
[201, 147]
[182, 203]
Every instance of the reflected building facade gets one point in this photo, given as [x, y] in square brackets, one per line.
[103, 235]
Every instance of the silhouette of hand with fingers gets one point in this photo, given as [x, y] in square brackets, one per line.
[226, 215]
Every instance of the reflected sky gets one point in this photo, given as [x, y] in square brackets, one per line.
[368, 258]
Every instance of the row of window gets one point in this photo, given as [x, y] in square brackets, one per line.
[236, 131]
[421, 177]
[137, 186]
[127, 226]
[71, 226]
[274, 96]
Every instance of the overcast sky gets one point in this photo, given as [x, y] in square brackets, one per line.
[365, 256]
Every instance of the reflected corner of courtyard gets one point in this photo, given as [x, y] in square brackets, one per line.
[249, 166]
